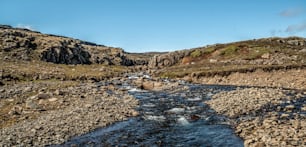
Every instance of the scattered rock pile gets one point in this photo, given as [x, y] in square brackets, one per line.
[54, 116]
[265, 117]
[294, 79]
[244, 101]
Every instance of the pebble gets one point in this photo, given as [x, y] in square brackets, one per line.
[52, 99]
[43, 96]
[284, 115]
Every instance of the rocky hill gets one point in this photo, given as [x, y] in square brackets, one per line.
[271, 53]
[18, 44]
[23, 44]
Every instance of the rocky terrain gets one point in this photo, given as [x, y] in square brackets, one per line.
[23, 44]
[42, 113]
[53, 88]
[265, 116]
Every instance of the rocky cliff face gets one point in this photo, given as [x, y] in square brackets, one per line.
[66, 55]
[23, 44]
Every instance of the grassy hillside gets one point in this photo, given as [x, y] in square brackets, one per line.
[268, 53]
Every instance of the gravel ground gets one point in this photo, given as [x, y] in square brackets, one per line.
[53, 116]
[293, 79]
[265, 116]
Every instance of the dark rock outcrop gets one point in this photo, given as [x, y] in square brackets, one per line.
[16, 44]
[24, 44]
[66, 55]
[167, 59]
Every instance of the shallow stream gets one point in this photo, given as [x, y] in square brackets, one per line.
[176, 117]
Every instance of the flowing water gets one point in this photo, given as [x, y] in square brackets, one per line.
[176, 117]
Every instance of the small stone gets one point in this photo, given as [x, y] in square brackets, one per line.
[33, 130]
[52, 99]
[17, 110]
[284, 115]
[248, 142]
[31, 105]
[27, 89]
[259, 144]
[2, 90]
[58, 92]
[266, 56]
[195, 117]
[41, 102]
[33, 97]
[43, 95]
[290, 107]
[134, 113]
[88, 105]
[148, 85]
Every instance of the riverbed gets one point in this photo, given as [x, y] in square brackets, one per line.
[172, 117]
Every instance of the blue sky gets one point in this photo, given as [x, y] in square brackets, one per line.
[158, 25]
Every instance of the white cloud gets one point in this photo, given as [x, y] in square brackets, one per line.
[296, 28]
[25, 26]
[292, 12]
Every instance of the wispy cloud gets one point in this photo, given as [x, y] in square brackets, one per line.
[292, 12]
[291, 29]
[25, 26]
[275, 32]
[296, 28]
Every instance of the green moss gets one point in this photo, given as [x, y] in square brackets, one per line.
[173, 74]
[256, 53]
[230, 50]
[209, 50]
[196, 53]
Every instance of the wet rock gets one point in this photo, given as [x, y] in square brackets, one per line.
[134, 113]
[303, 108]
[176, 110]
[148, 85]
[195, 117]
[289, 107]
